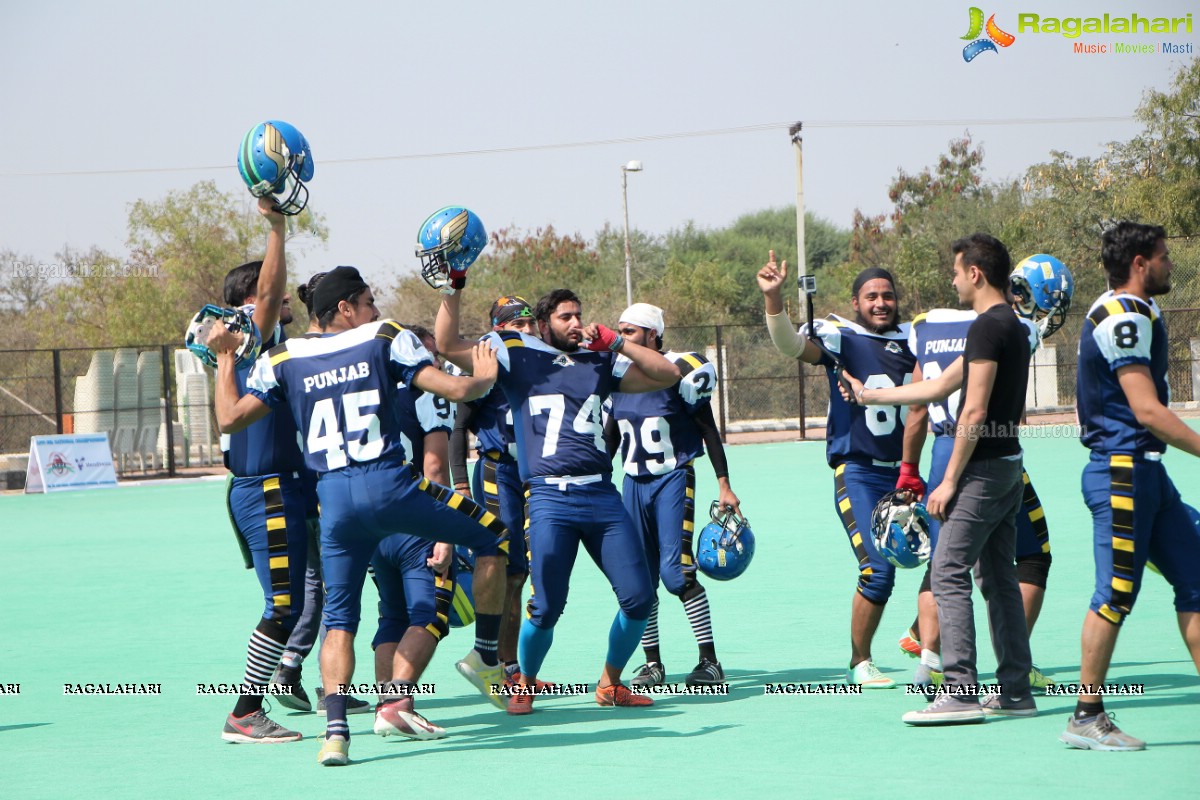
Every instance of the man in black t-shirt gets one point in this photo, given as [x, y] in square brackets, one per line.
[979, 496]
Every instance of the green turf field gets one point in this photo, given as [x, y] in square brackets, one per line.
[145, 585]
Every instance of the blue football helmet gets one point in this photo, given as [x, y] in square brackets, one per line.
[462, 605]
[235, 319]
[448, 244]
[901, 529]
[1043, 287]
[275, 159]
[726, 545]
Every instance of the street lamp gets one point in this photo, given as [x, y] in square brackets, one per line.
[632, 166]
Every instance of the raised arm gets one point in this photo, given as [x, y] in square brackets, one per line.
[272, 278]
[455, 349]
[783, 333]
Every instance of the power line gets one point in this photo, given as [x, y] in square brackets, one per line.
[654, 137]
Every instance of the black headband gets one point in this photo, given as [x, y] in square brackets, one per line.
[870, 274]
[340, 283]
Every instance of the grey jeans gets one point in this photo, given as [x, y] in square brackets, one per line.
[304, 635]
[981, 530]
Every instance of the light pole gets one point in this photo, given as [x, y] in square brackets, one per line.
[632, 166]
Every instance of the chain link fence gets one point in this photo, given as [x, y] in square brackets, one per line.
[155, 402]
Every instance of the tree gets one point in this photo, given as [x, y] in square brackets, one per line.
[931, 209]
[180, 249]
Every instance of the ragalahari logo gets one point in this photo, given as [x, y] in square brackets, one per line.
[995, 36]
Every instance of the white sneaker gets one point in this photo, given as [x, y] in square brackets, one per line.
[868, 676]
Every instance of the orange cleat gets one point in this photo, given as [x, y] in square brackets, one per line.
[620, 695]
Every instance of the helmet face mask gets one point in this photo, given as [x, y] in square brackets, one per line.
[900, 528]
[448, 243]
[725, 546]
[235, 320]
[1042, 287]
[275, 159]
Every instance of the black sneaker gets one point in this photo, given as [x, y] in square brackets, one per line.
[353, 704]
[289, 677]
[256, 728]
[997, 705]
[706, 673]
[651, 674]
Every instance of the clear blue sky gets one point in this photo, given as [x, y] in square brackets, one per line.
[128, 85]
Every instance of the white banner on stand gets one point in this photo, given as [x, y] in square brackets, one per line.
[69, 461]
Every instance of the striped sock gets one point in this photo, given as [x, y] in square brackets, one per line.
[650, 636]
[487, 637]
[335, 719]
[262, 657]
[700, 619]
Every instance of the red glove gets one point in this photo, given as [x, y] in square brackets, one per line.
[910, 479]
[606, 339]
[458, 278]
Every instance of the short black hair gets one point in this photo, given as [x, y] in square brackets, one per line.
[1122, 243]
[420, 331]
[305, 292]
[552, 300]
[989, 254]
[242, 282]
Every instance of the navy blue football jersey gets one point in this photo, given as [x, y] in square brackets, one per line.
[879, 360]
[556, 400]
[1120, 329]
[937, 338]
[342, 391]
[422, 413]
[270, 445]
[658, 432]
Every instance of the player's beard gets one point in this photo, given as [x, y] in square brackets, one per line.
[1157, 286]
[874, 327]
[566, 345]
[285, 315]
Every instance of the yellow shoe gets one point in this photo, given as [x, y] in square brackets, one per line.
[487, 680]
[335, 752]
[1039, 682]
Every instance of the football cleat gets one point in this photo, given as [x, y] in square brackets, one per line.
[868, 676]
[650, 674]
[706, 673]
[520, 702]
[398, 718]
[725, 546]
[900, 528]
[620, 695]
[484, 678]
[910, 644]
[275, 158]
[1038, 681]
